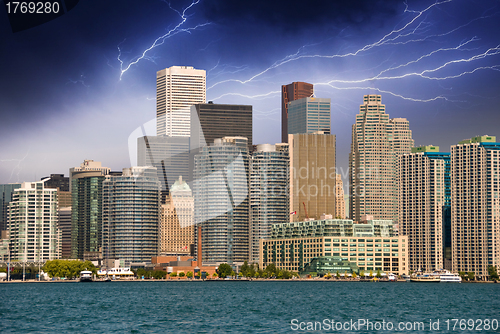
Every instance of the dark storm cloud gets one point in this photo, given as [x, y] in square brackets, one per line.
[295, 15]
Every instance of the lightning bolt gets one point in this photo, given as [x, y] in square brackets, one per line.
[17, 167]
[161, 40]
[414, 29]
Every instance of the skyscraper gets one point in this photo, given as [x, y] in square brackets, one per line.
[177, 89]
[339, 198]
[221, 200]
[269, 194]
[312, 175]
[210, 121]
[308, 115]
[32, 218]
[177, 220]
[6, 191]
[170, 156]
[475, 206]
[86, 216]
[424, 206]
[377, 141]
[291, 92]
[131, 215]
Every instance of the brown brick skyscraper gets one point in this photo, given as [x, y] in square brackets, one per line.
[291, 92]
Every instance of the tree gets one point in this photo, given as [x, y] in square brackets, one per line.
[224, 270]
[182, 274]
[245, 269]
[470, 276]
[337, 274]
[463, 275]
[492, 272]
[362, 273]
[214, 275]
[354, 274]
[271, 270]
[189, 274]
[379, 275]
[371, 274]
[173, 274]
[252, 271]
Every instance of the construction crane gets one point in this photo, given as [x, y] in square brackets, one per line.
[307, 216]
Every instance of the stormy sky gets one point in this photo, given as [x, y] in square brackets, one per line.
[78, 86]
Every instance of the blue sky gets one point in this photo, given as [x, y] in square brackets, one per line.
[76, 87]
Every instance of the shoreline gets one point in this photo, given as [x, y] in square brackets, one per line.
[226, 280]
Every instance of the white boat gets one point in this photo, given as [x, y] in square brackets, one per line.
[86, 276]
[116, 273]
[446, 276]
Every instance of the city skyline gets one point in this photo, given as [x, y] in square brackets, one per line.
[80, 102]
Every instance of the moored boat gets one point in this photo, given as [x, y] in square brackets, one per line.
[86, 276]
[425, 278]
[446, 276]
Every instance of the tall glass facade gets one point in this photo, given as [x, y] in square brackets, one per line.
[309, 115]
[269, 192]
[131, 215]
[221, 200]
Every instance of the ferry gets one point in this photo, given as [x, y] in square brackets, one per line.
[446, 276]
[86, 276]
[425, 278]
[116, 273]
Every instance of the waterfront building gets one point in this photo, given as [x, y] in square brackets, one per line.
[169, 155]
[32, 219]
[309, 115]
[57, 181]
[370, 245]
[177, 89]
[210, 121]
[269, 195]
[340, 205]
[177, 221]
[64, 225]
[292, 92]
[61, 183]
[424, 206]
[6, 191]
[377, 141]
[131, 215]
[221, 200]
[86, 216]
[312, 175]
[475, 206]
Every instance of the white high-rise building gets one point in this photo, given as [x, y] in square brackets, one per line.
[377, 141]
[177, 89]
[269, 196]
[475, 205]
[32, 218]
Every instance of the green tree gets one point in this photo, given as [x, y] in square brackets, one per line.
[252, 271]
[379, 275]
[214, 275]
[271, 270]
[173, 274]
[470, 276]
[337, 274]
[361, 273]
[354, 274]
[245, 269]
[371, 274]
[189, 274]
[224, 270]
[463, 275]
[492, 272]
[182, 274]
[158, 274]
